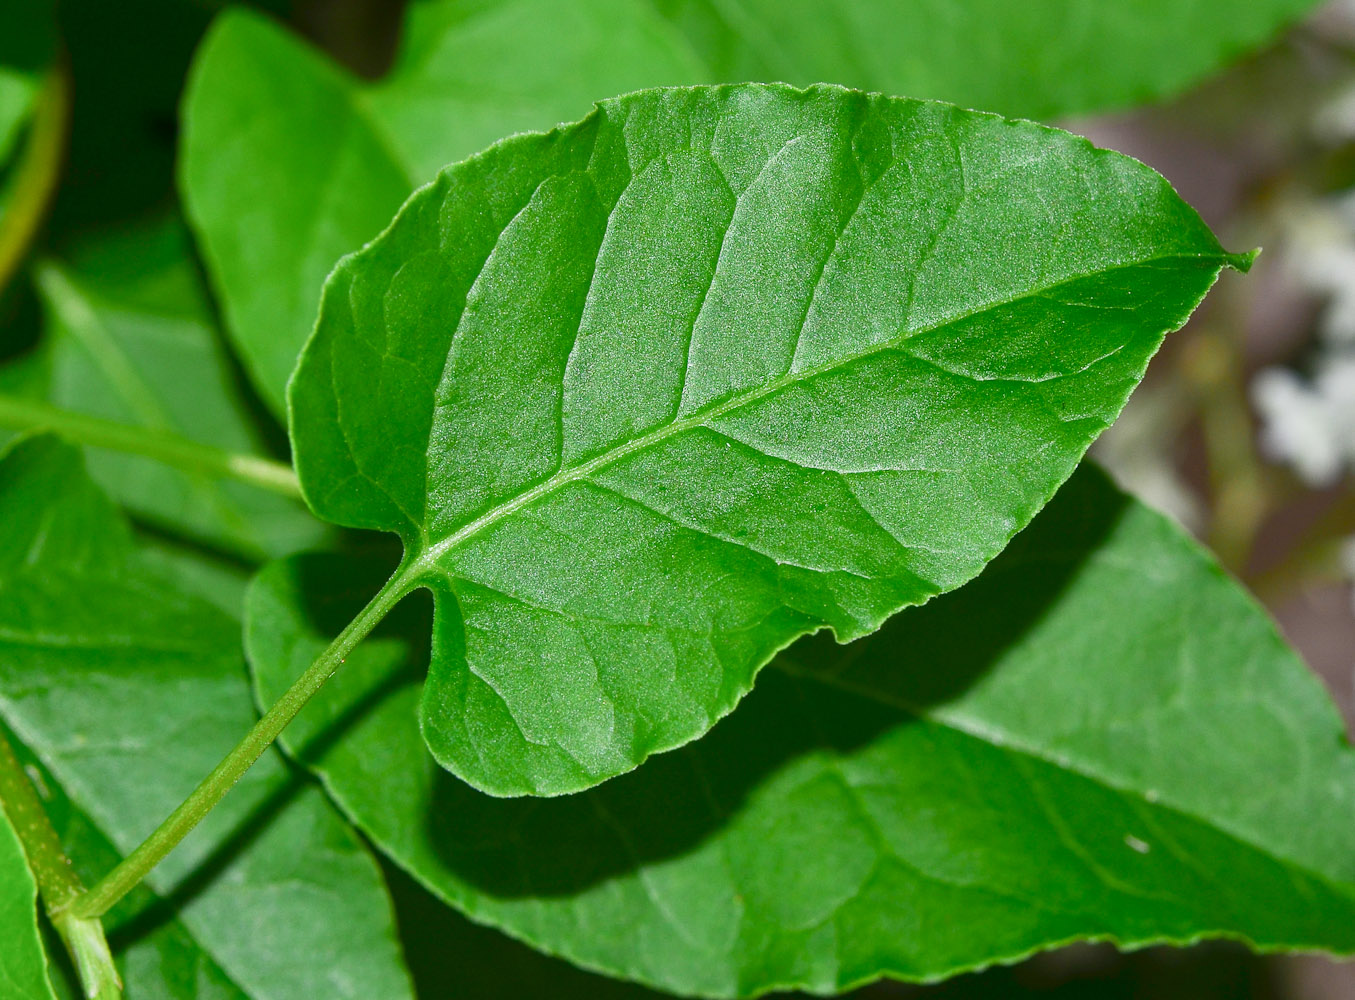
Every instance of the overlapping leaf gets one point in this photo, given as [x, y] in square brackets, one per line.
[1037, 60]
[1101, 737]
[650, 396]
[132, 340]
[23, 964]
[288, 161]
[157, 956]
[128, 690]
[27, 50]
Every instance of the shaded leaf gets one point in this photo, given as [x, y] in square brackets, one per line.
[132, 340]
[323, 160]
[288, 161]
[650, 396]
[453, 957]
[1038, 60]
[129, 689]
[156, 955]
[27, 49]
[1100, 738]
[23, 963]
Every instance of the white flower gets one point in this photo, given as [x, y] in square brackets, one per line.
[1320, 254]
[1310, 426]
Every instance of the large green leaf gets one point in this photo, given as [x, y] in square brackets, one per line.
[128, 690]
[289, 162]
[650, 396]
[23, 963]
[1101, 737]
[132, 340]
[1035, 60]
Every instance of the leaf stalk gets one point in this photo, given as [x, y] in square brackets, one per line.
[164, 446]
[137, 865]
[57, 882]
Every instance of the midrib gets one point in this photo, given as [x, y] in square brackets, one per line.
[427, 560]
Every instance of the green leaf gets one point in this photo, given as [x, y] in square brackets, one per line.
[288, 161]
[27, 48]
[129, 689]
[1100, 738]
[23, 963]
[132, 340]
[1033, 60]
[323, 160]
[157, 956]
[650, 396]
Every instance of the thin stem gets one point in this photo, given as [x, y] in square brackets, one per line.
[36, 172]
[57, 882]
[213, 788]
[1241, 489]
[164, 446]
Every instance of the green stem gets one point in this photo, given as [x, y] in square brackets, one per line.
[36, 172]
[164, 446]
[137, 865]
[57, 882]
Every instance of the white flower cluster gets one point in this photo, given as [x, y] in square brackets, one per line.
[1309, 424]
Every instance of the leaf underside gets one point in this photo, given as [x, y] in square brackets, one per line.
[652, 395]
[1100, 738]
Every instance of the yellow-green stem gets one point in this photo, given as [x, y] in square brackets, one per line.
[57, 882]
[137, 865]
[164, 446]
[36, 172]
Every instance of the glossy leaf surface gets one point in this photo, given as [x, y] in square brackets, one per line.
[131, 339]
[23, 963]
[648, 397]
[289, 162]
[129, 690]
[1101, 737]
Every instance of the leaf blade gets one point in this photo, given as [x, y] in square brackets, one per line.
[864, 815]
[905, 324]
[1092, 58]
[471, 73]
[86, 626]
[130, 338]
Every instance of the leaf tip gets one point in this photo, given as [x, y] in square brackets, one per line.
[1242, 262]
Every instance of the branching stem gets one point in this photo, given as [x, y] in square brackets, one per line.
[57, 882]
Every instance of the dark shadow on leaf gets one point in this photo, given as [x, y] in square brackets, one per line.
[812, 701]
